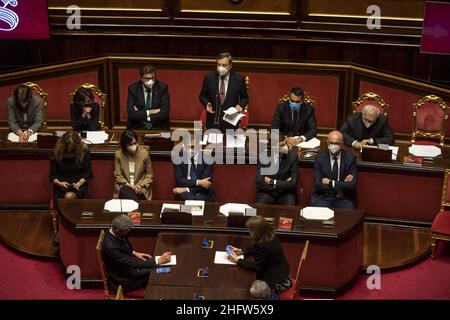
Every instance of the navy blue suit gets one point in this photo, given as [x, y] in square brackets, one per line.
[343, 195]
[282, 120]
[195, 192]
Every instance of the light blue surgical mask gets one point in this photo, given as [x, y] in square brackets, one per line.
[294, 105]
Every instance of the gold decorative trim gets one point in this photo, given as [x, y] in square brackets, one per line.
[357, 16]
[306, 98]
[371, 96]
[416, 132]
[93, 88]
[444, 202]
[109, 9]
[272, 13]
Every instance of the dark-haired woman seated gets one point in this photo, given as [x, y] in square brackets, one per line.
[84, 112]
[133, 169]
[70, 168]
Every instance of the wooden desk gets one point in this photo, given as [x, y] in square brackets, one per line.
[334, 260]
[223, 281]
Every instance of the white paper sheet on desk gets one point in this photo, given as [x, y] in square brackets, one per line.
[215, 138]
[310, 144]
[424, 151]
[317, 213]
[233, 118]
[129, 205]
[96, 137]
[170, 206]
[221, 257]
[394, 152]
[172, 262]
[233, 207]
[121, 205]
[236, 140]
[12, 137]
[198, 206]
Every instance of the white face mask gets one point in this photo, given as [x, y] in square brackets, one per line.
[222, 71]
[149, 84]
[367, 124]
[334, 148]
[284, 149]
[132, 148]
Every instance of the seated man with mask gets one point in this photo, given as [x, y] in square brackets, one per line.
[334, 176]
[367, 127]
[280, 187]
[193, 176]
[295, 118]
[124, 266]
[148, 102]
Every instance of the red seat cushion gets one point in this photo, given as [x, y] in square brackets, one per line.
[441, 223]
[136, 294]
[289, 294]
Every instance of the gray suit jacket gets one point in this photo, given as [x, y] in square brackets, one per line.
[34, 114]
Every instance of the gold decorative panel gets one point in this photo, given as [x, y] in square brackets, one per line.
[109, 5]
[272, 7]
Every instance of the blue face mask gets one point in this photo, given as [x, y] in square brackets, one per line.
[294, 105]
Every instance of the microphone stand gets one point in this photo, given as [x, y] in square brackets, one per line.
[218, 110]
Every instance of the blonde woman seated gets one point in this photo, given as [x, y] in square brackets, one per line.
[133, 169]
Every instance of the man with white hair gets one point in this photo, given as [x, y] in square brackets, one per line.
[367, 127]
[125, 266]
[260, 290]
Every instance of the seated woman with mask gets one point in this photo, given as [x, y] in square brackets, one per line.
[70, 168]
[133, 169]
[84, 112]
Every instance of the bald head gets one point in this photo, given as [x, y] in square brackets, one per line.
[335, 137]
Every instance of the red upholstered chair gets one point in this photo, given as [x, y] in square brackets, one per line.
[370, 98]
[430, 115]
[440, 229]
[99, 97]
[243, 124]
[37, 90]
[137, 294]
[293, 291]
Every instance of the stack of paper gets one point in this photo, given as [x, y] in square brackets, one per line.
[96, 137]
[15, 138]
[310, 144]
[317, 213]
[197, 207]
[232, 116]
[221, 257]
[212, 138]
[233, 207]
[424, 151]
[121, 205]
[394, 152]
[172, 262]
[236, 141]
[170, 207]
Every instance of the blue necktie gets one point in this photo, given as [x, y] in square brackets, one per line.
[193, 171]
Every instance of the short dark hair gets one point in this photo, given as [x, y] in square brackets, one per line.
[81, 95]
[147, 69]
[28, 92]
[225, 55]
[299, 92]
[125, 140]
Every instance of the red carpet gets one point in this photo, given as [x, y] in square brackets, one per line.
[24, 278]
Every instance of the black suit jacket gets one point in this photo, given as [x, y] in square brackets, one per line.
[236, 94]
[288, 168]
[122, 267]
[322, 169]
[282, 120]
[82, 124]
[270, 263]
[203, 171]
[160, 100]
[354, 129]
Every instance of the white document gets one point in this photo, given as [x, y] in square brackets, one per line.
[233, 118]
[121, 205]
[221, 257]
[96, 137]
[59, 133]
[172, 262]
[204, 140]
[198, 206]
[233, 207]
[425, 151]
[12, 137]
[165, 135]
[317, 213]
[310, 144]
[236, 141]
[230, 111]
[170, 206]
[394, 152]
[215, 138]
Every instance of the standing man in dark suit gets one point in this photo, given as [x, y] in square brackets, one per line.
[193, 176]
[221, 90]
[148, 102]
[334, 176]
[280, 188]
[124, 266]
[295, 118]
[367, 127]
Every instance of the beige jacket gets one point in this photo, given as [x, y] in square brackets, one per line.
[143, 172]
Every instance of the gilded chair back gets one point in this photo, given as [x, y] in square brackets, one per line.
[370, 98]
[430, 114]
[98, 248]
